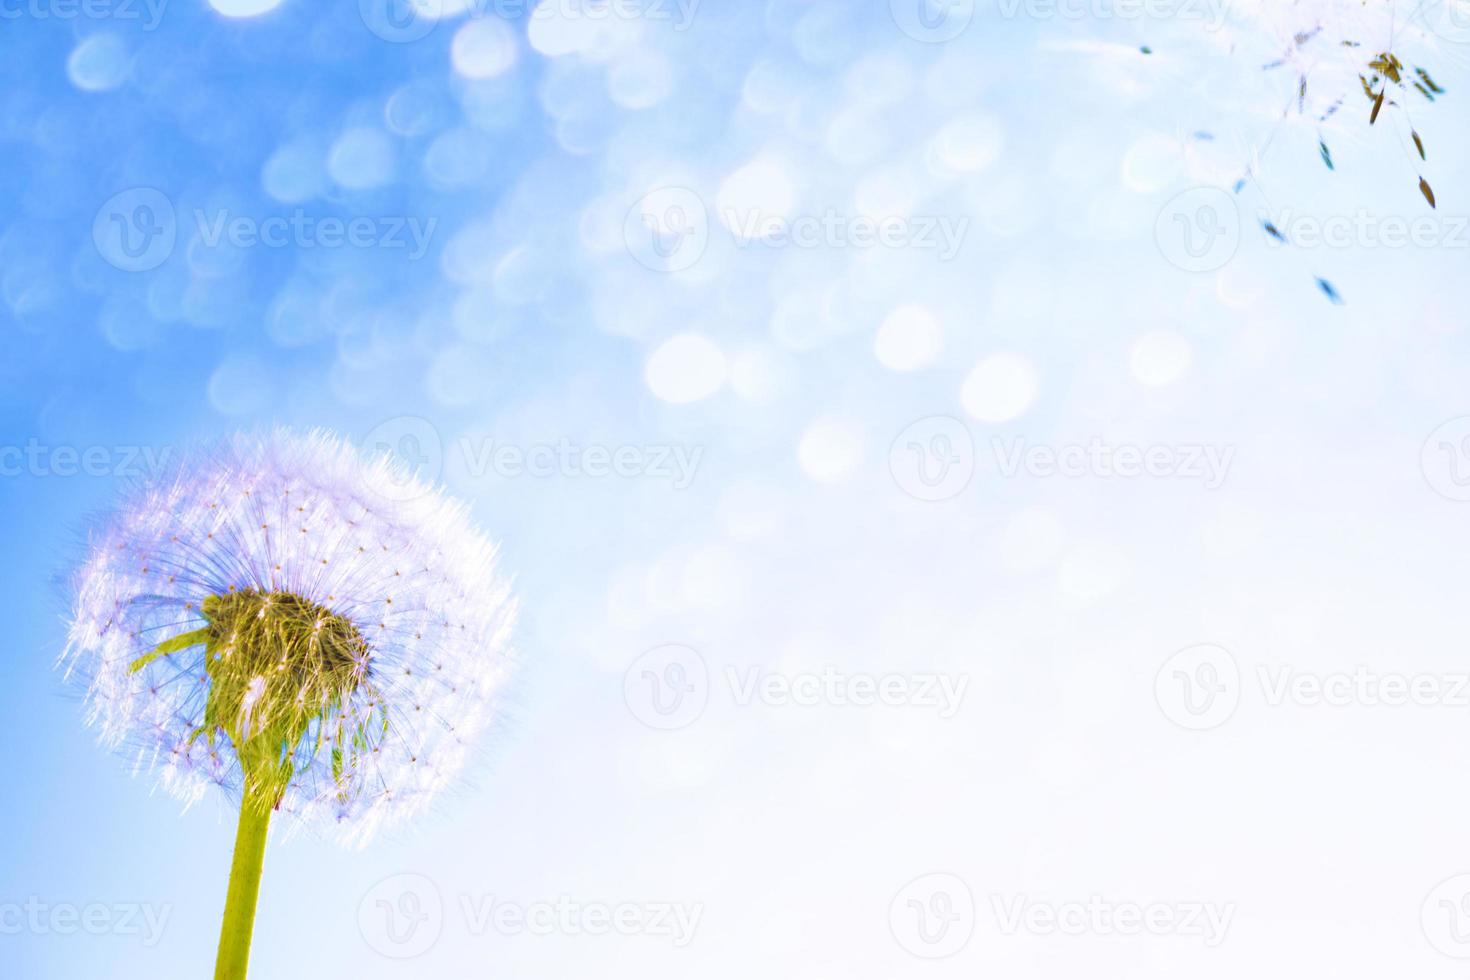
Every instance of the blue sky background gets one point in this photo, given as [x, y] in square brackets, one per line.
[536, 311]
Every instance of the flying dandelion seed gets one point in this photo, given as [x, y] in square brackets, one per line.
[278, 617]
[1323, 54]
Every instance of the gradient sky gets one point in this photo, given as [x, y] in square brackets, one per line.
[446, 230]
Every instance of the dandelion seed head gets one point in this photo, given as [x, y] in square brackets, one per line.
[281, 614]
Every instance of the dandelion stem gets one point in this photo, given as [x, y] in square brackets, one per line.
[239, 923]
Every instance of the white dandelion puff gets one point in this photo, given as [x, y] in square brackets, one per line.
[296, 624]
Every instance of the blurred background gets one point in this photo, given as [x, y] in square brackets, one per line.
[955, 535]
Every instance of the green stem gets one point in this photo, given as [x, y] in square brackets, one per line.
[234, 936]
